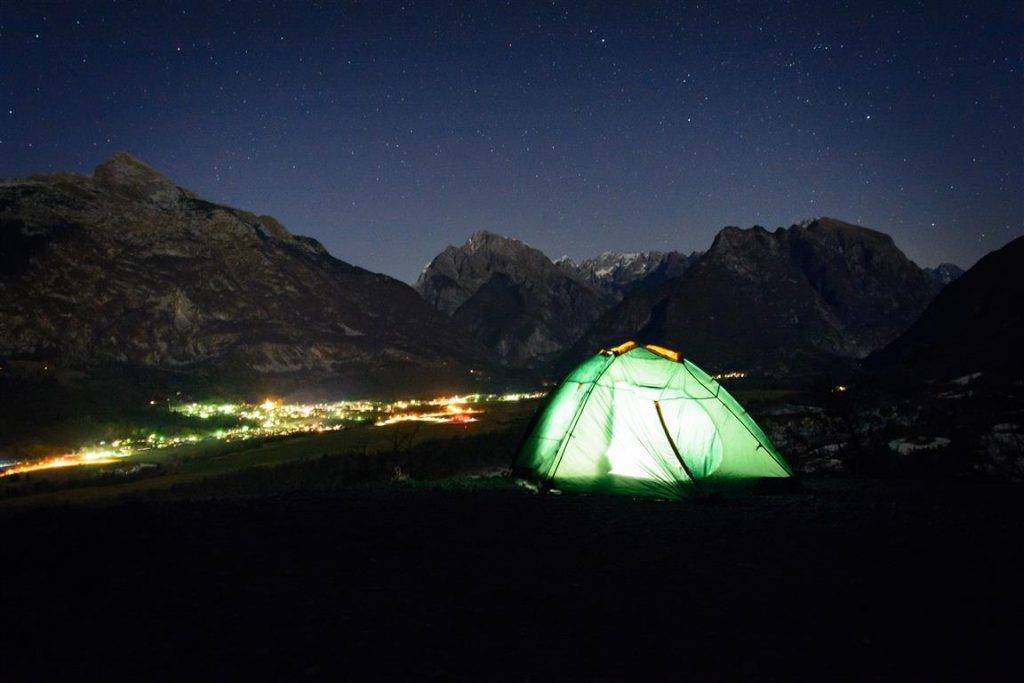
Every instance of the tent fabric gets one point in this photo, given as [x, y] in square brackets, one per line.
[632, 420]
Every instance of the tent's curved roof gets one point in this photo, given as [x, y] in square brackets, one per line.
[650, 405]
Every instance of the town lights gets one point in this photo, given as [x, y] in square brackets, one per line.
[271, 418]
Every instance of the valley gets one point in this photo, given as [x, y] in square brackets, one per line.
[143, 324]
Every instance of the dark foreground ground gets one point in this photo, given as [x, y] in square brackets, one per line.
[479, 580]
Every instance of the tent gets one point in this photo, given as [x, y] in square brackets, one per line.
[644, 421]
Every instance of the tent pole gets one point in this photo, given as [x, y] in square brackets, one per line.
[679, 457]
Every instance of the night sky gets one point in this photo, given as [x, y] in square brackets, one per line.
[390, 131]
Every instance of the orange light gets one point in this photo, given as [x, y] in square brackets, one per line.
[622, 348]
[54, 463]
[663, 352]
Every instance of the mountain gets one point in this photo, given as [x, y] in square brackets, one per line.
[618, 273]
[779, 302]
[125, 269]
[975, 324]
[944, 273]
[511, 296]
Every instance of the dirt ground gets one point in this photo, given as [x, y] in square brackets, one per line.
[478, 580]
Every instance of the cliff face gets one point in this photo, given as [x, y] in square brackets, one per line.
[125, 268]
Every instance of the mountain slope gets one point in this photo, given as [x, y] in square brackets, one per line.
[776, 302]
[123, 268]
[975, 324]
[511, 297]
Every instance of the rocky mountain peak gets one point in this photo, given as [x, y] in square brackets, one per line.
[274, 227]
[743, 248]
[456, 273]
[506, 248]
[124, 162]
[484, 239]
[619, 272]
[733, 236]
[777, 301]
[511, 296]
[943, 274]
[841, 232]
[823, 236]
[566, 262]
[125, 175]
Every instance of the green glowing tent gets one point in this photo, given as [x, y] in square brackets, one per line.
[643, 421]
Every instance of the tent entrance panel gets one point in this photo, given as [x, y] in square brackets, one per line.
[716, 443]
[618, 445]
[675, 449]
[690, 427]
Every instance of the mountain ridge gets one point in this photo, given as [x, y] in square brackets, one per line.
[781, 301]
[125, 268]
